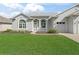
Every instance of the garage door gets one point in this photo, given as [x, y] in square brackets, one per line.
[77, 27]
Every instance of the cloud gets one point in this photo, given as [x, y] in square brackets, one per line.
[13, 5]
[38, 1]
[14, 14]
[9, 15]
[4, 14]
[30, 7]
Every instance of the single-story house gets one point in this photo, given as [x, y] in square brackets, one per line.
[65, 22]
[5, 23]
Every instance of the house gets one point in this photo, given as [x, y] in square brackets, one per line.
[65, 22]
[5, 23]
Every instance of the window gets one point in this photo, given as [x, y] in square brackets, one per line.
[43, 23]
[60, 22]
[22, 24]
[36, 23]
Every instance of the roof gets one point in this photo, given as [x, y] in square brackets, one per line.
[41, 14]
[19, 15]
[37, 15]
[76, 4]
[5, 20]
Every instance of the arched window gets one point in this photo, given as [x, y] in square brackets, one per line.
[22, 24]
[43, 23]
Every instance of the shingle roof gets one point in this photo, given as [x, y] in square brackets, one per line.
[75, 4]
[41, 14]
[37, 15]
[20, 14]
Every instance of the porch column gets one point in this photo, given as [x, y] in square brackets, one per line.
[33, 25]
[46, 25]
[39, 23]
[18, 25]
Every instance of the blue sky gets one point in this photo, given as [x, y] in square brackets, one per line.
[12, 9]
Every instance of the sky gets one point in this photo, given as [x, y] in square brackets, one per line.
[10, 10]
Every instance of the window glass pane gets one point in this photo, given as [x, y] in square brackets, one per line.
[22, 24]
[43, 23]
[36, 23]
[60, 22]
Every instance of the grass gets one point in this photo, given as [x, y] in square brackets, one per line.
[23, 44]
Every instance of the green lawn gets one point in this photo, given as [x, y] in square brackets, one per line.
[19, 43]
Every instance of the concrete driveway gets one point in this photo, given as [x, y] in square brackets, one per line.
[74, 37]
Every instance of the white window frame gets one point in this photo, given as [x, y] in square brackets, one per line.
[22, 24]
[43, 23]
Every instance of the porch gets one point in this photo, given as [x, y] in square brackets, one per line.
[39, 25]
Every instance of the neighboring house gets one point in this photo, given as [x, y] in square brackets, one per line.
[5, 23]
[65, 22]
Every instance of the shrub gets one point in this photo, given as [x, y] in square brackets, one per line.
[52, 31]
[12, 31]
[8, 30]
[22, 31]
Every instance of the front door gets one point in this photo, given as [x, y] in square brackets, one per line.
[43, 25]
[36, 25]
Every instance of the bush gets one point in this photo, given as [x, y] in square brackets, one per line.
[8, 30]
[14, 31]
[52, 31]
[23, 31]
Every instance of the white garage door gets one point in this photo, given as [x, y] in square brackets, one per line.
[76, 27]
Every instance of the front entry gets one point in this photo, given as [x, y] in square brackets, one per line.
[43, 25]
[36, 25]
[39, 25]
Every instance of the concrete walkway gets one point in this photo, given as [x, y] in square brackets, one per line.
[74, 37]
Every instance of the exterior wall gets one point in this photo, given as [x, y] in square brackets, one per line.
[29, 25]
[15, 24]
[62, 27]
[4, 27]
[70, 25]
[50, 24]
[76, 25]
